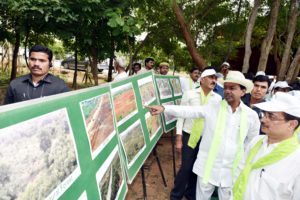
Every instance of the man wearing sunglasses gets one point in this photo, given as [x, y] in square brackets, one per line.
[271, 166]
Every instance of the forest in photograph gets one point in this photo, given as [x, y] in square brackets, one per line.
[176, 86]
[164, 88]
[98, 120]
[111, 180]
[153, 124]
[147, 91]
[124, 102]
[36, 156]
[133, 141]
[169, 118]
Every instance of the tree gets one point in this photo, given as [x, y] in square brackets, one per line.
[248, 35]
[291, 28]
[266, 44]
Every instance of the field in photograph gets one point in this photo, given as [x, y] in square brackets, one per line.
[36, 156]
[111, 180]
[133, 141]
[98, 119]
[164, 88]
[124, 102]
[153, 124]
[147, 92]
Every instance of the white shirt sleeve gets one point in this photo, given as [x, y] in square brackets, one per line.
[189, 112]
[296, 195]
[180, 121]
[253, 130]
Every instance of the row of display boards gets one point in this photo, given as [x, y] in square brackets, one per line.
[85, 144]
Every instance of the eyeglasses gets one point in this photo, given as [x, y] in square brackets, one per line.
[270, 116]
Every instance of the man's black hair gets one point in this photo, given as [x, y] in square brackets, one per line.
[262, 78]
[43, 49]
[243, 87]
[139, 64]
[289, 117]
[148, 60]
[194, 69]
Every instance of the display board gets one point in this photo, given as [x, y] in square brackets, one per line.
[85, 144]
[61, 147]
[169, 92]
[138, 131]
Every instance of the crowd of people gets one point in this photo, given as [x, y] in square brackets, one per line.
[241, 145]
[235, 135]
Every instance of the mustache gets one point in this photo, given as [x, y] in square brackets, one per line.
[35, 67]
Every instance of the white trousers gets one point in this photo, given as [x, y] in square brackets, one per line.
[204, 191]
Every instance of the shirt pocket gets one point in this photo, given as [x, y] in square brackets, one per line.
[271, 188]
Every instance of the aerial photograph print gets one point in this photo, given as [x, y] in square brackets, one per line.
[109, 177]
[99, 122]
[164, 88]
[38, 158]
[147, 91]
[124, 102]
[133, 142]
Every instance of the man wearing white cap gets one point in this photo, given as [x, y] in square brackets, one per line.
[185, 181]
[228, 126]
[120, 66]
[271, 168]
[281, 86]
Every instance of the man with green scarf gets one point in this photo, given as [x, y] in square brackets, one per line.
[271, 168]
[228, 126]
[185, 181]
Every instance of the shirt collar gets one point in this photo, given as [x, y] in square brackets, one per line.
[27, 77]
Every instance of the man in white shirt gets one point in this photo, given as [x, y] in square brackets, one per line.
[120, 66]
[271, 168]
[228, 126]
[185, 182]
[192, 82]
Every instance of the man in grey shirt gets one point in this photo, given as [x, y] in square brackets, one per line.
[39, 82]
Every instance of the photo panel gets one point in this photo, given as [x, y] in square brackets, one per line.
[153, 124]
[169, 118]
[38, 157]
[175, 82]
[110, 178]
[147, 90]
[124, 102]
[99, 124]
[133, 142]
[164, 88]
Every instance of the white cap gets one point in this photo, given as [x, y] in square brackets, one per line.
[226, 64]
[208, 72]
[260, 73]
[281, 84]
[282, 102]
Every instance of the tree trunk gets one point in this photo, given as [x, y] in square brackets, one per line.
[291, 31]
[296, 74]
[266, 44]
[197, 58]
[14, 66]
[94, 65]
[248, 35]
[294, 67]
[111, 59]
[74, 84]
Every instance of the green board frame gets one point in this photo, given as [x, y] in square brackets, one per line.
[132, 88]
[169, 92]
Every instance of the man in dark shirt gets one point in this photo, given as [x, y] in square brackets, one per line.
[39, 82]
[258, 93]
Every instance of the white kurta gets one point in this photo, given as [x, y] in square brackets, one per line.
[192, 98]
[221, 174]
[279, 181]
[186, 84]
[121, 76]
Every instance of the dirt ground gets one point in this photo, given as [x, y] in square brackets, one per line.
[154, 183]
